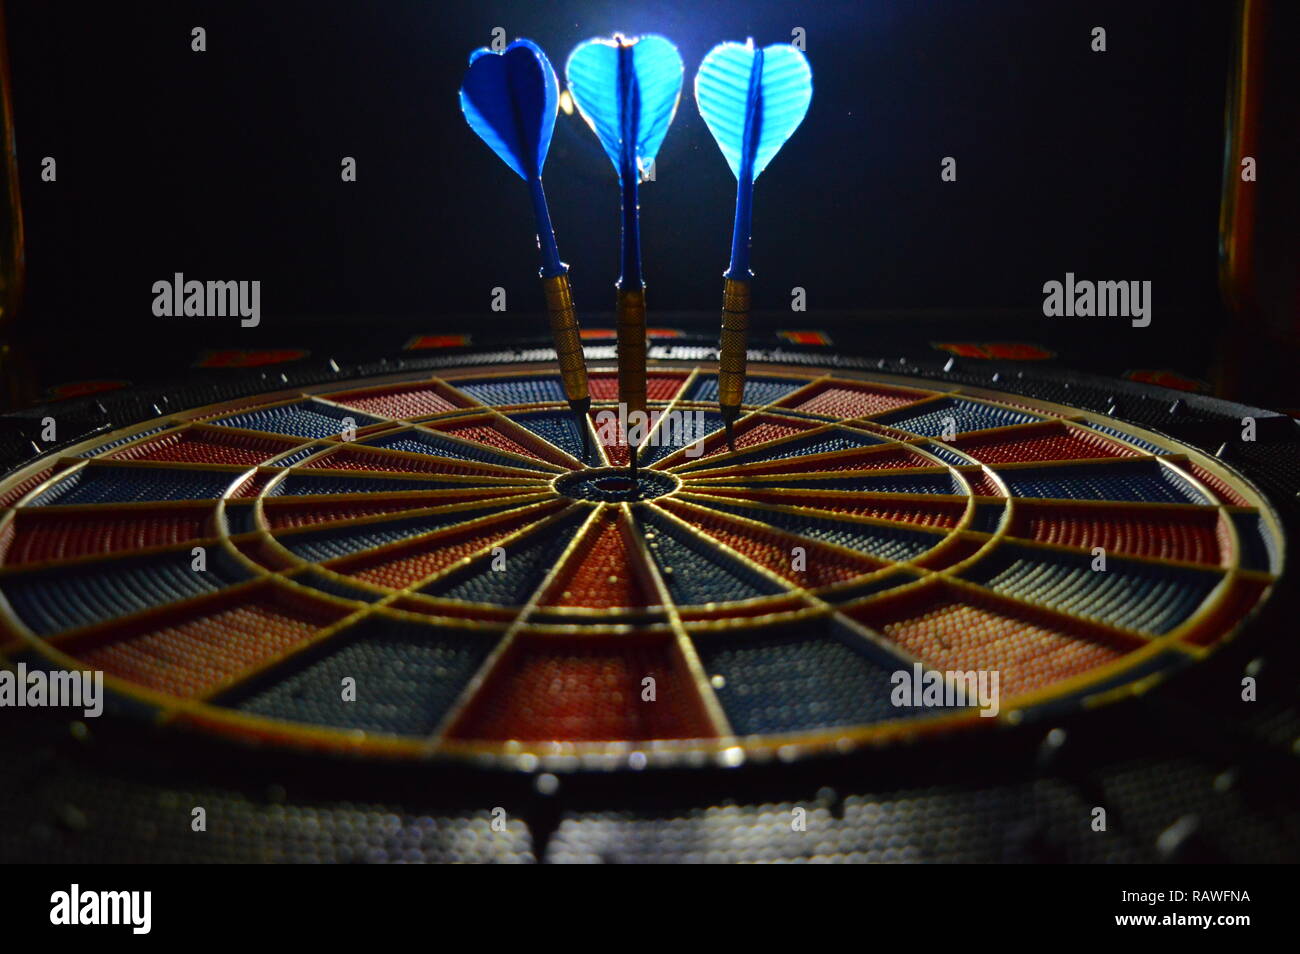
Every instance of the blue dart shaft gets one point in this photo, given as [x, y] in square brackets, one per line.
[742, 229]
[551, 264]
[629, 174]
[631, 278]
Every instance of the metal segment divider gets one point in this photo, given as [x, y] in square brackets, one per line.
[453, 414]
[886, 441]
[727, 458]
[480, 678]
[669, 407]
[526, 463]
[815, 603]
[502, 470]
[713, 709]
[271, 538]
[529, 435]
[927, 578]
[370, 609]
[663, 462]
[276, 540]
[1218, 596]
[705, 499]
[704, 473]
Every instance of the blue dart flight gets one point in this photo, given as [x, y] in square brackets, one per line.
[511, 99]
[627, 89]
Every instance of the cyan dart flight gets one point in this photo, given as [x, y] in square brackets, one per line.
[752, 100]
[627, 89]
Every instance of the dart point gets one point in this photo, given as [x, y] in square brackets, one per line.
[729, 414]
[581, 408]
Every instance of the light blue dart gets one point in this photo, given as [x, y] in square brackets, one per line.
[510, 99]
[752, 100]
[627, 89]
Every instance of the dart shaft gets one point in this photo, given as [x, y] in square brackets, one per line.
[631, 348]
[568, 341]
[550, 252]
[628, 174]
[735, 293]
[742, 228]
[732, 344]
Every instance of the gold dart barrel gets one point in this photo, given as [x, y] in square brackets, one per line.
[631, 348]
[568, 340]
[731, 350]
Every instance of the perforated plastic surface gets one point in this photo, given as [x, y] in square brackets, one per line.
[277, 650]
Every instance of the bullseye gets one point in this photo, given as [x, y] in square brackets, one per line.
[612, 485]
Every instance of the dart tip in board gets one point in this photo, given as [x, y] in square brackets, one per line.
[729, 414]
[632, 463]
[580, 408]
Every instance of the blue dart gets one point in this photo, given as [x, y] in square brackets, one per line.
[511, 99]
[752, 100]
[627, 89]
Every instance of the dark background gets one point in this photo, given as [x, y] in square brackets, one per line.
[225, 164]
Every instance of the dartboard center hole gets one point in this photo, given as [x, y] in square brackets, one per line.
[615, 485]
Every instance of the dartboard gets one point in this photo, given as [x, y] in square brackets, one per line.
[447, 567]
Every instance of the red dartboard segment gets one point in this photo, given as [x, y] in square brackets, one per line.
[603, 386]
[1194, 536]
[982, 485]
[484, 434]
[585, 691]
[926, 513]
[254, 485]
[395, 462]
[749, 431]
[889, 458]
[1242, 595]
[24, 487]
[1051, 442]
[204, 446]
[284, 512]
[845, 399]
[494, 436]
[821, 565]
[410, 401]
[193, 654]
[954, 631]
[404, 565]
[600, 575]
[613, 442]
[1217, 485]
[40, 535]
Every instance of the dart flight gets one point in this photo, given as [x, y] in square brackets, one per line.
[627, 89]
[510, 99]
[752, 100]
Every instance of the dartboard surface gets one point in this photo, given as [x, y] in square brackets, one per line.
[441, 567]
